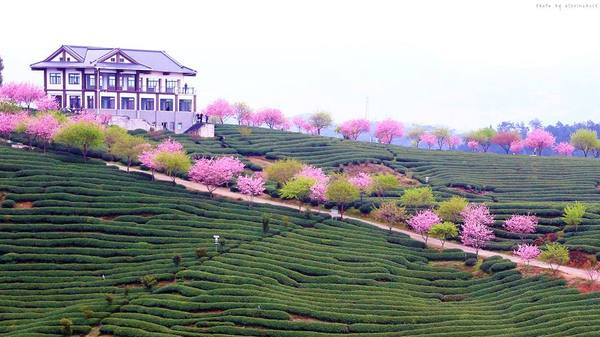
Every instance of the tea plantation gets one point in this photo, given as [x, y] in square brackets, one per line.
[76, 238]
[509, 184]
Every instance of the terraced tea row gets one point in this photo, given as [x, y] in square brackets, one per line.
[82, 231]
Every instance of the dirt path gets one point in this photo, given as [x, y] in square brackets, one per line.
[432, 242]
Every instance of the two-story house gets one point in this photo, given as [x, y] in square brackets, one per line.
[142, 84]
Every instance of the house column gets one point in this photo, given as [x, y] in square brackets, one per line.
[97, 87]
[64, 83]
[45, 81]
[137, 94]
[83, 102]
[118, 90]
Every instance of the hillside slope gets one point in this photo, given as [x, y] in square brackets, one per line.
[509, 184]
[80, 231]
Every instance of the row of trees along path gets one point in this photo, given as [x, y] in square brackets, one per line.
[433, 242]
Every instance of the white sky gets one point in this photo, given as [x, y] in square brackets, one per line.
[458, 63]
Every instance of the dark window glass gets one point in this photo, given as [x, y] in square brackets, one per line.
[147, 104]
[90, 102]
[54, 78]
[107, 103]
[185, 105]
[166, 104]
[127, 103]
[74, 102]
[73, 78]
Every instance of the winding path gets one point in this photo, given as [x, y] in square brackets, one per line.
[432, 242]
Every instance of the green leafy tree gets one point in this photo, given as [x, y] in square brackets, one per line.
[555, 255]
[584, 140]
[320, 120]
[148, 281]
[82, 135]
[129, 147]
[297, 188]
[66, 326]
[341, 192]
[573, 214]
[418, 196]
[414, 134]
[390, 214]
[449, 210]
[112, 135]
[384, 182]
[173, 163]
[444, 231]
[283, 170]
[483, 136]
[442, 134]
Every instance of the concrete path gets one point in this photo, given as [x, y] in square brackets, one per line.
[432, 242]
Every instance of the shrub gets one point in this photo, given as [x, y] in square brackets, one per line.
[419, 196]
[109, 298]
[449, 210]
[266, 219]
[384, 182]
[555, 254]
[148, 281]
[66, 326]
[177, 260]
[201, 252]
[283, 170]
[8, 203]
[470, 262]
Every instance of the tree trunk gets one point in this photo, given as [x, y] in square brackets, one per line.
[85, 149]
[341, 212]
[128, 163]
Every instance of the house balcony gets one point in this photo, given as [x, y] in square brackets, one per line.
[158, 90]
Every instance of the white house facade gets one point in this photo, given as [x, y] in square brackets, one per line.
[132, 83]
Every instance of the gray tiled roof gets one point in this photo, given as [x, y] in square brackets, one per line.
[153, 60]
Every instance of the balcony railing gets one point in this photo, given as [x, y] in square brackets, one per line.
[161, 89]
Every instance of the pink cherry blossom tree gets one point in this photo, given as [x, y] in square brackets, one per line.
[538, 140]
[21, 93]
[527, 253]
[476, 235]
[453, 142]
[42, 128]
[387, 130]
[10, 121]
[318, 189]
[215, 172]
[477, 214]
[46, 104]
[363, 182]
[251, 186]
[242, 113]
[273, 118]
[517, 146]
[504, 139]
[473, 145]
[148, 158]
[352, 129]
[220, 109]
[521, 224]
[564, 149]
[423, 221]
[300, 123]
[428, 139]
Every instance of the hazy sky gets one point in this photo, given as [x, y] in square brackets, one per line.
[458, 63]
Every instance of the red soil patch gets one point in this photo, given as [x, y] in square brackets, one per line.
[211, 311]
[108, 217]
[300, 318]
[583, 286]
[260, 161]
[469, 190]
[2, 196]
[24, 204]
[371, 168]
[95, 332]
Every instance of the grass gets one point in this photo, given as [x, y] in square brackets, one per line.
[93, 230]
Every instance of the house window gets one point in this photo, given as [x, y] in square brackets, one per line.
[151, 85]
[112, 81]
[170, 86]
[185, 105]
[112, 59]
[73, 78]
[74, 102]
[121, 59]
[54, 78]
[130, 80]
[127, 103]
[172, 126]
[179, 126]
[90, 102]
[147, 104]
[101, 78]
[90, 81]
[107, 103]
[68, 59]
[166, 105]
